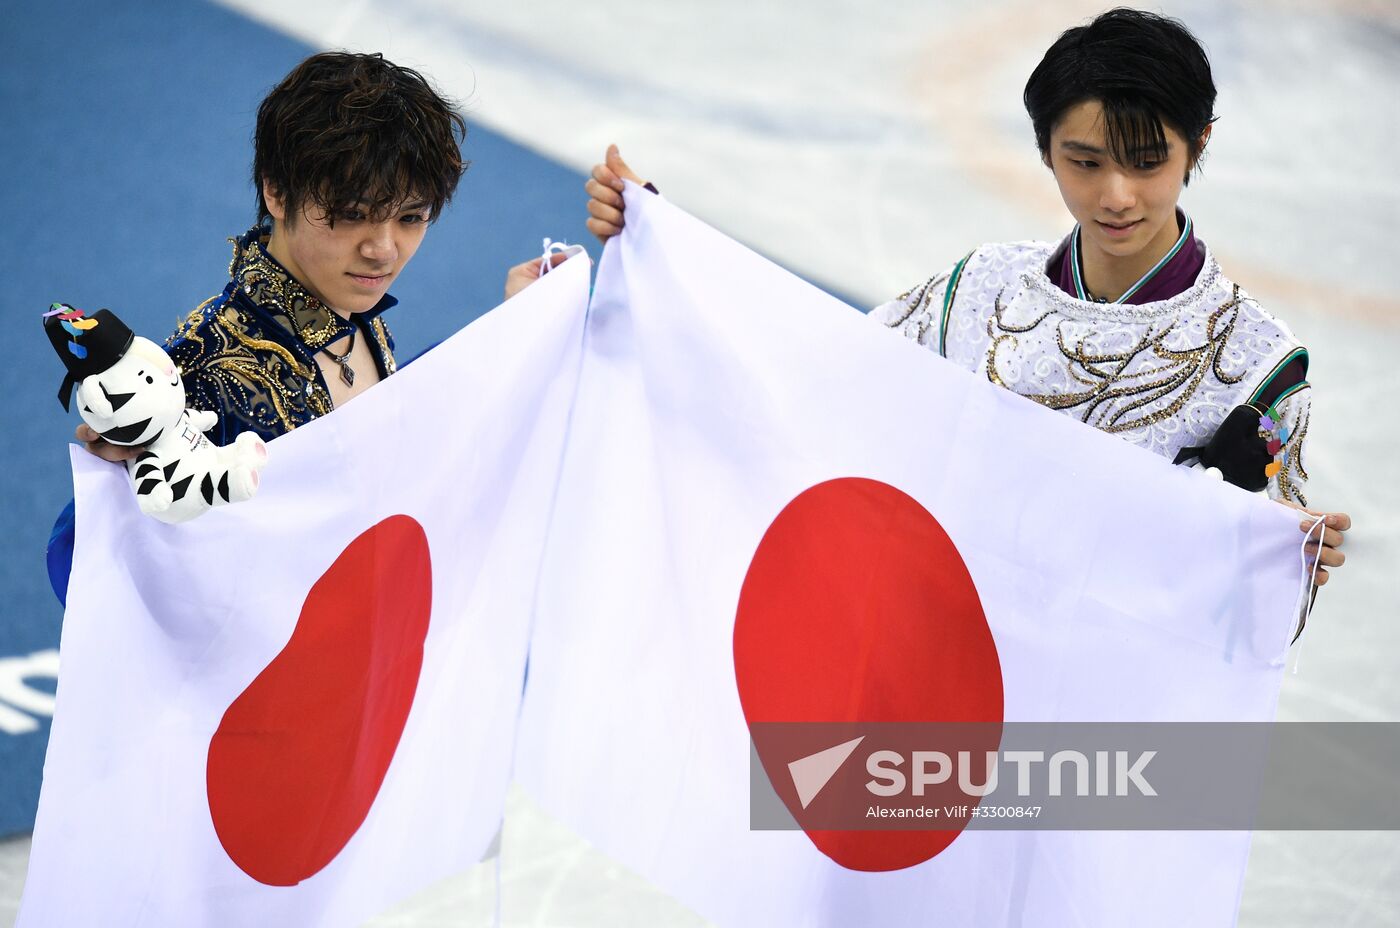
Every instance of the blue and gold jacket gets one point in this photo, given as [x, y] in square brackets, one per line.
[249, 354]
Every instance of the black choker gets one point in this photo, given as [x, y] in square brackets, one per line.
[347, 373]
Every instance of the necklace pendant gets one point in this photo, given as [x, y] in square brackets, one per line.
[347, 374]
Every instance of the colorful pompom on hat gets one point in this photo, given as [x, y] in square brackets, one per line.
[87, 345]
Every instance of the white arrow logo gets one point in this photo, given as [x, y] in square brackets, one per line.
[17, 694]
[811, 773]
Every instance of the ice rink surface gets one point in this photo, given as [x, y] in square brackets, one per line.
[868, 145]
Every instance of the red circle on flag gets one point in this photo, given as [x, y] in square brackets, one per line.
[300, 755]
[857, 607]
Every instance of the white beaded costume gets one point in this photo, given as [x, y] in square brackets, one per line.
[1163, 375]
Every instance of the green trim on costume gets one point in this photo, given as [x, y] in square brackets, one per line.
[1301, 385]
[949, 292]
[1079, 291]
[1075, 260]
[1287, 359]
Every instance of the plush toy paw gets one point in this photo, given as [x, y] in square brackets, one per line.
[242, 483]
[252, 450]
[156, 500]
[202, 420]
[249, 456]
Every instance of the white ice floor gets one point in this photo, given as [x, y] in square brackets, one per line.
[868, 144]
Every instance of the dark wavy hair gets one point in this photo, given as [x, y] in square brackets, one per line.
[344, 129]
[1144, 69]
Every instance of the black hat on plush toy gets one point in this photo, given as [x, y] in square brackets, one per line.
[87, 344]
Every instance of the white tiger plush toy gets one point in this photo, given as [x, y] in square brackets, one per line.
[130, 392]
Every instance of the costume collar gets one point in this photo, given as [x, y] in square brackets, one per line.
[273, 289]
[1174, 273]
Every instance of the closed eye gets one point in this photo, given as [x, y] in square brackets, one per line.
[118, 400]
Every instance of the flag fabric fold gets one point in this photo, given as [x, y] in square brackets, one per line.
[300, 709]
[717, 499]
[720, 392]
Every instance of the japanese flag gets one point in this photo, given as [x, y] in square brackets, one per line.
[772, 510]
[299, 709]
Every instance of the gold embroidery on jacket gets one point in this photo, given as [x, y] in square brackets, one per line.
[381, 335]
[1113, 393]
[250, 379]
[269, 285]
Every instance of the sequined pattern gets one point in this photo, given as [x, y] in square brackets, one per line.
[1162, 375]
[1292, 477]
[920, 306]
[1122, 387]
[248, 354]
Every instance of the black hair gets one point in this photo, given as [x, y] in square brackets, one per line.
[347, 129]
[1145, 70]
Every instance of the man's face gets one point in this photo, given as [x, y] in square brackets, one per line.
[1121, 209]
[349, 264]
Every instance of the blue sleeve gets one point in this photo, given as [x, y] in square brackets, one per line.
[60, 553]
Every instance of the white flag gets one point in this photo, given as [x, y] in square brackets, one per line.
[300, 709]
[772, 510]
